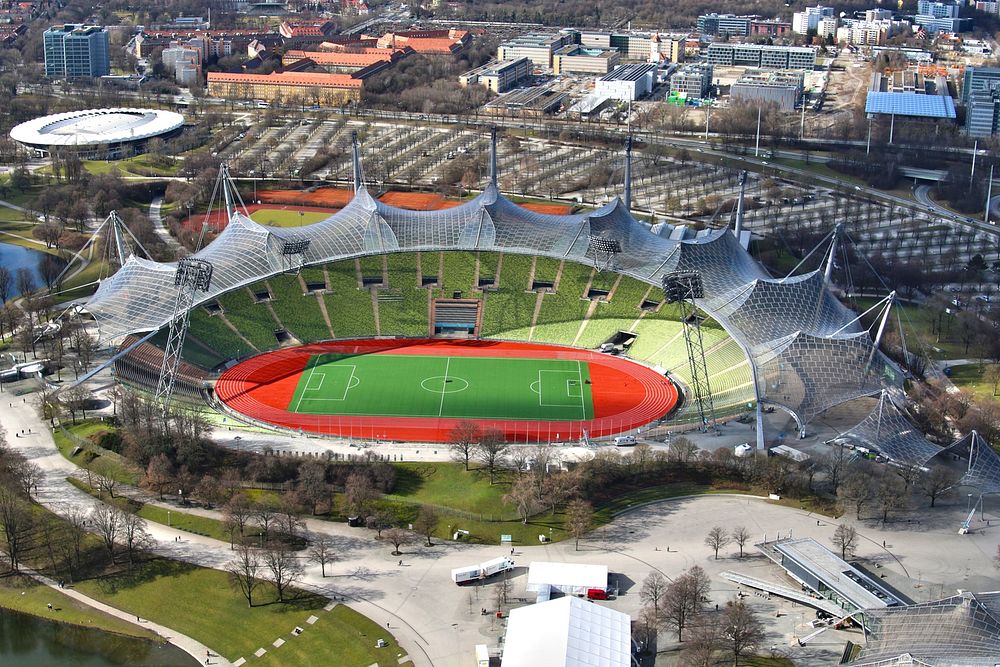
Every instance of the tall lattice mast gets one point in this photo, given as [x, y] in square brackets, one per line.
[685, 287]
[193, 275]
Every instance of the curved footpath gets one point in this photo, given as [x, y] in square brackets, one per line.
[438, 623]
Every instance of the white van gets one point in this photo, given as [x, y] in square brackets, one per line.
[625, 441]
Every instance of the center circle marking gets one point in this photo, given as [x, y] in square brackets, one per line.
[438, 384]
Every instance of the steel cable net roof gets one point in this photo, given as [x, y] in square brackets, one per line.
[983, 472]
[959, 631]
[807, 354]
[887, 430]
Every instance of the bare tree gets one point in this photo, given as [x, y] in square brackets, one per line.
[25, 473]
[284, 567]
[938, 482]
[682, 451]
[891, 495]
[523, 495]
[5, 282]
[106, 519]
[462, 442]
[654, 587]
[856, 491]
[645, 630]
[134, 535]
[579, 520]
[397, 537]
[107, 484]
[845, 538]
[490, 451]
[265, 514]
[742, 631]
[716, 539]
[76, 530]
[16, 522]
[740, 535]
[321, 552]
[501, 593]
[702, 645]
[426, 523]
[159, 474]
[236, 514]
[359, 493]
[244, 571]
[312, 485]
[684, 599]
[832, 464]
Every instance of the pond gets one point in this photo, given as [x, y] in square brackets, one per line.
[15, 257]
[29, 641]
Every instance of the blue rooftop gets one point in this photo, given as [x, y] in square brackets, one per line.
[911, 104]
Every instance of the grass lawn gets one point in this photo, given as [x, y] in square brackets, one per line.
[26, 595]
[200, 602]
[104, 462]
[972, 378]
[283, 218]
[348, 639]
[918, 321]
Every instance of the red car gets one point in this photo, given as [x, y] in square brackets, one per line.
[596, 594]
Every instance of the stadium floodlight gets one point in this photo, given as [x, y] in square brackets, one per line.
[605, 249]
[682, 286]
[295, 246]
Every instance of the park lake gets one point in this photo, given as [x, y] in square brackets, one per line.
[29, 641]
[14, 257]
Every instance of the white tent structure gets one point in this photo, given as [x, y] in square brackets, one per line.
[568, 632]
[568, 578]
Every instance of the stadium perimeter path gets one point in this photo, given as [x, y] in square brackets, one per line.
[438, 623]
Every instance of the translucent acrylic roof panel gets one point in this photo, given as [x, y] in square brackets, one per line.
[983, 470]
[961, 630]
[887, 431]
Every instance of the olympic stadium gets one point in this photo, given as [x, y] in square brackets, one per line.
[97, 133]
[385, 323]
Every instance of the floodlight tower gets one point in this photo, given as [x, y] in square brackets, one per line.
[738, 227]
[356, 161]
[627, 197]
[685, 287]
[193, 275]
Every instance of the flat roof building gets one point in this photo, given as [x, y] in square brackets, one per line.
[781, 87]
[649, 47]
[74, 51]
[536, 47]
[828, 575]
[498, 76]
[725, 24]
[316, 88]
[809, 18]
[574, 58]
[692, 80]
[627, 82]
[982, 112]
[761, 55]
[913, 105]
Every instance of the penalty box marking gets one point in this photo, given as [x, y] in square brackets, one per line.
[335, 370]
[565, 385]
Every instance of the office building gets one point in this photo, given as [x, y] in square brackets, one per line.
[758, 55]
[770, 28]
[725, 24]
[936, 9]
[75, 50]
[576, 59]
[934, 25]
[498, 76]
[628, 82]
[536, 47]
[314, 88]
[808, 19]
[692, 80]
[979, 79]
[783, 88]
[647, 47]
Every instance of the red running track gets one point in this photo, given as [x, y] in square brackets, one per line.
[625, 394]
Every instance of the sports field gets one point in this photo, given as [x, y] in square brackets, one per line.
[419, 390]
[390, 385]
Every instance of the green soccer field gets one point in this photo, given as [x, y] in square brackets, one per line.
[388, 385]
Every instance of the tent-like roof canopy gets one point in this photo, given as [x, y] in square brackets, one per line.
[568, 632]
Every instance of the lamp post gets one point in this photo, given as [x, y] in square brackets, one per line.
[168, 518]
